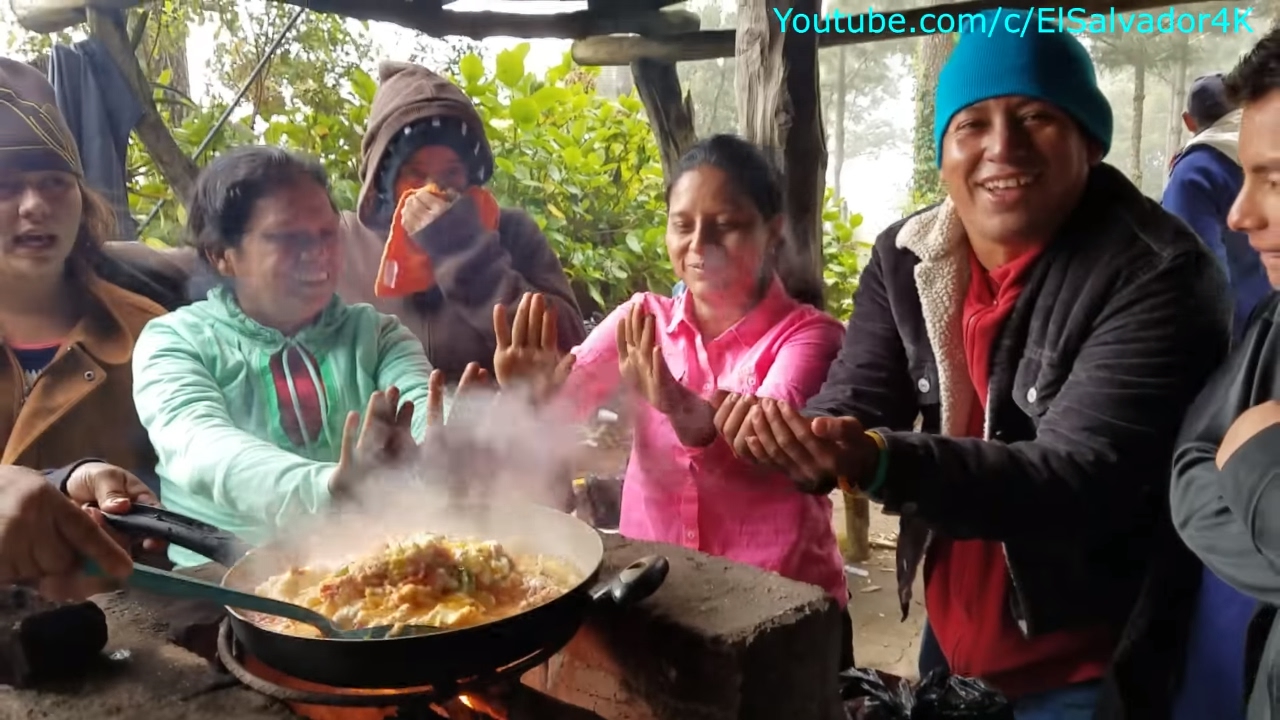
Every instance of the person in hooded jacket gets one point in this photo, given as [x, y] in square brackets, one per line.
[424, 130]
[1204, 179]
[1224, 498]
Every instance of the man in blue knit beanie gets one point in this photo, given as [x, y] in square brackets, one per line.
[1049, 325]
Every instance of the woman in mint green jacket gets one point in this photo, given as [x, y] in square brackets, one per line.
[248, 394]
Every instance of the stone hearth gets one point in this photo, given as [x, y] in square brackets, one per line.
[718, 641]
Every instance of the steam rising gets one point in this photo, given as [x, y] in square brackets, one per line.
[480, 475]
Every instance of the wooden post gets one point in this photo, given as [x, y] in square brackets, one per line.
[670, 113]
[857, 526]
[779, 108]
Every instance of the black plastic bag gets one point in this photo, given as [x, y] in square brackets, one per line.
[871, 695]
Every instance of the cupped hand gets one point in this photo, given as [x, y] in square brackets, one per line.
[731, 421]
[45, 538]
[527, 356]
[812, 452]
[642, 364]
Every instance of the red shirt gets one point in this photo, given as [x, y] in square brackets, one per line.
[967, 585]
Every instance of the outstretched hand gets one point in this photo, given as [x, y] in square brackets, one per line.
[527, 355]
[642, 364]
[384, 439]
[474, 381]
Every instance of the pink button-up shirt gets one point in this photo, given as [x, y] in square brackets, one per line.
[706, 498]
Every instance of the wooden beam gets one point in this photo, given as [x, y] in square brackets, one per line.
[712, 44]
[670, 113]
[644, 17]
[479, 25]
[175, 167]
[779, 109]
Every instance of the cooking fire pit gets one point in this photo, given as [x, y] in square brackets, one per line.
[498, 695]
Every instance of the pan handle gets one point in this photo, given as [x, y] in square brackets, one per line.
[149, 521]
[636, 582]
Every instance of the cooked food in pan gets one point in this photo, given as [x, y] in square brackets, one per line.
[425, 579]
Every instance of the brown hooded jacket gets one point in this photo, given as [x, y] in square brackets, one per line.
[474, 269]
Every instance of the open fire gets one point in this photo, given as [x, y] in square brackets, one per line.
[505, 697]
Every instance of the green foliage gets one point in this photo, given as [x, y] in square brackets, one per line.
[843, 255]
[585, 166]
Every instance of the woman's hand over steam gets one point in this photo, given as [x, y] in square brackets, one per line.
[385, 439]
[528, 355]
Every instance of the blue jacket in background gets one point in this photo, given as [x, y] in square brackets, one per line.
[1203, 183]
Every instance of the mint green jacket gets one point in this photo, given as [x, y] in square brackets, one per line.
[215, 391]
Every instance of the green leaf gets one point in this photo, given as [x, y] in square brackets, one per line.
[524, 111]
[472, 68]
[511, 67]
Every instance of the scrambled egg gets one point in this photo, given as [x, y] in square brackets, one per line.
[425, 579]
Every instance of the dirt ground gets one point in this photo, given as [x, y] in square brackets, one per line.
[880, 639]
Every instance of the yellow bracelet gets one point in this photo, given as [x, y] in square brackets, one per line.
[842, 482]
[878, 439]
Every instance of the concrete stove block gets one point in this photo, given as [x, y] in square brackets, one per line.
[718, 641]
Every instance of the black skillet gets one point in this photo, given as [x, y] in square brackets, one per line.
[417, 660]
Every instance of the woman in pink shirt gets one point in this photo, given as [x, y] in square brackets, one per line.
[734, 331]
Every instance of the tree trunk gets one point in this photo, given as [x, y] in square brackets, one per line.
[1177, 101]
[779, 108]
[926, 186]
[842, 92]
[670, 113]
[177, 169]
[1135, 134]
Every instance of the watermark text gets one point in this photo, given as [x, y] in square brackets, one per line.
[1074, 20]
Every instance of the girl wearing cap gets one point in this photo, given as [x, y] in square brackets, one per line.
[66, 335]
[469, 255]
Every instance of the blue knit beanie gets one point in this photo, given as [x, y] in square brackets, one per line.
[996, 58]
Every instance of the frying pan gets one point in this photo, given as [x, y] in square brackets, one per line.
[417, 660]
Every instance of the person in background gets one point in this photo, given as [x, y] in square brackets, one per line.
[1225, 465]
[66, 335]
[424, 131]
[1204, 179]
[1050, 324]
[252, 396]
[51, 521]
[735, 330]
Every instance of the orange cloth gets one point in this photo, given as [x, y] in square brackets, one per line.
[406, 268]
